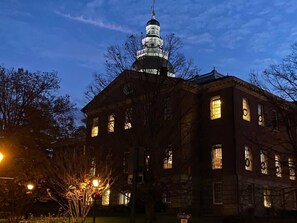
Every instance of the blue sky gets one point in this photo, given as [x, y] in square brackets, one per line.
[71, 36]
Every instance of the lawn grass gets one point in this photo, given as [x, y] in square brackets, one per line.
[139, 219]
[173, 219]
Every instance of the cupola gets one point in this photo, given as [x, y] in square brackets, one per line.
[152, 58]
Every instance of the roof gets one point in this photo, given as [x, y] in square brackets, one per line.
[113, 93]
[208, 77]
[152, 62]
[153, 22]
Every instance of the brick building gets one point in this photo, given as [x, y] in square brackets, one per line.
[214, 144]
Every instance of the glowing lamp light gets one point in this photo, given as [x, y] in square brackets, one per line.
[30, 186]
[95, 183]
[1, 157]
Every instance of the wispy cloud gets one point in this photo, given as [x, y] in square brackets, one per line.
[205, 38]
[98, 23]
[260, 64]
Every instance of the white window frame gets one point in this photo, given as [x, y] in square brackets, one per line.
[267, 198]
[106, 198]
[246, 111]
[261, 119]
[111, 123]
[215, 107]
[264, 162]
[215, 193]
[95, 127]
[128, 118]
[292, 172]
[217, 157]
[124, 198]
[168, 159]
[278, 167]
[248, 158]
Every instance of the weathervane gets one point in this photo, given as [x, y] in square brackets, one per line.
[153, 9]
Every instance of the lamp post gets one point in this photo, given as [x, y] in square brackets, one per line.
[95, 197]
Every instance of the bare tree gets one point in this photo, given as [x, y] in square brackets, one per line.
[277, 85]
[281, 80]
[32, 118]
[121, 57]
[70, 179]
[146, 95]
[154, 105]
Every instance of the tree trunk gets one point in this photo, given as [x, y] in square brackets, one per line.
[150, 214]
[78, 220]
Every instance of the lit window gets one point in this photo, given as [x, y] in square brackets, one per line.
[124, 198]
[128, 118]
[275, 124]
[291, 165]
[95, 127]
[215, 107]
[167, 162]
[218, 193]
[278, 168]
[264, 162]
[248, 158]
[246, 115]
[267, 198]
[217, 157]
[105, 197]
[167, 109]
[260, 115]
[110, 124]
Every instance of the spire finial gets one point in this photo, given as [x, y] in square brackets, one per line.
[153, 10]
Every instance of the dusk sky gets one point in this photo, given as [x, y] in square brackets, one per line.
[71, 36]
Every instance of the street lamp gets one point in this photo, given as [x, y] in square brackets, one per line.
[95, 196]
[1, 157]
[30, 188]
[95, 183]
